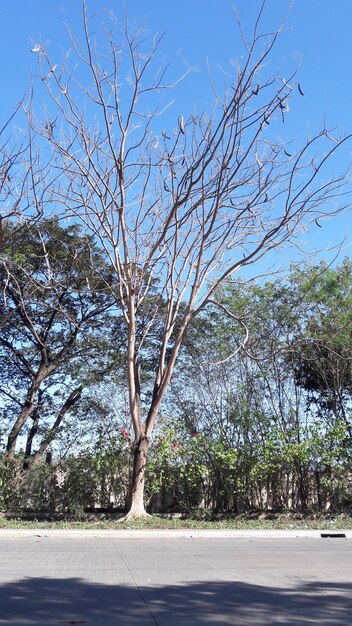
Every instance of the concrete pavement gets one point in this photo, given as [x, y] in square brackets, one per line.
[134, 534]
[166, 578]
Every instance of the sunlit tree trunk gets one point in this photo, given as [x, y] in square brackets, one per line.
[137, 506]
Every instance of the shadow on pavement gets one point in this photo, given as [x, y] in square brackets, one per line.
[49, 601]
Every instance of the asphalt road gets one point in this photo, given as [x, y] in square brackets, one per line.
[108, 580]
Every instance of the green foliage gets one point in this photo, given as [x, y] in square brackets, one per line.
[10, 497]
[80, 485]
[269, 432]
[55, 326]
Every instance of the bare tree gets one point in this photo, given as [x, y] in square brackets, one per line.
[24, 174]
[177, 210]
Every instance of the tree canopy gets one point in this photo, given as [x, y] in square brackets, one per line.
[55, 326]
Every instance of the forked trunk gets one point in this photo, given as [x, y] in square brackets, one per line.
[137, 508]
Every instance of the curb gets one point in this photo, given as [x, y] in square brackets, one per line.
[171, 534]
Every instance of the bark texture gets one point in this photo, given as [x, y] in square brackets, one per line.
[137, 508]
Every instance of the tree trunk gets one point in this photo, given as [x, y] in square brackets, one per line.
[20, 421]
[26, 411]
[32, 433]
[137, 508]
[72, 399]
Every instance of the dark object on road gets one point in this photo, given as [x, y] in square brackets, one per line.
[333, 535]
[73, 622]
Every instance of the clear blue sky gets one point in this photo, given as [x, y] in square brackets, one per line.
[319, 39]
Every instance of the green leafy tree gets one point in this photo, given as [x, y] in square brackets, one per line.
[281, 399]
[55, 326]
[323, 361]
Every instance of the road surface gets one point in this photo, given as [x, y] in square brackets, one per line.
[114, 579]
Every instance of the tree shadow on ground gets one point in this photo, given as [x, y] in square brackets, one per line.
[51, 601]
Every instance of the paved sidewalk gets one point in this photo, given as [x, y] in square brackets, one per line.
[174, 578]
